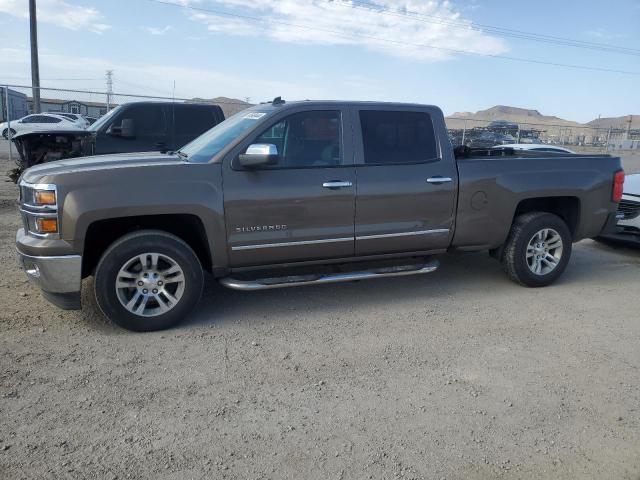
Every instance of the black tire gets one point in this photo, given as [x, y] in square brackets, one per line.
[5, 133]
[514, 256]
[141, 243]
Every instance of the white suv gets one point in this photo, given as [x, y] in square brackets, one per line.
[39, 121]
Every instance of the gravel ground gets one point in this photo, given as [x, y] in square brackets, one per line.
[457, 374]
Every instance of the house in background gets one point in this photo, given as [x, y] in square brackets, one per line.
[53, 105]
[18, 105]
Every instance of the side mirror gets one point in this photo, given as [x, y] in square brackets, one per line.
[126, 129]
[259, 154]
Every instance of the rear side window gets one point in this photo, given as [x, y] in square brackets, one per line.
[148, 119]
[194, 120]
[392, 137]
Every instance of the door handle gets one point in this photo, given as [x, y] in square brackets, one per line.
[337, 184]
[439, 180]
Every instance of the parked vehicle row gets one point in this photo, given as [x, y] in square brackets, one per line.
[131, 127]
[299, 193]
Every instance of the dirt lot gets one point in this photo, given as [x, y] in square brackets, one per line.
[457, 374]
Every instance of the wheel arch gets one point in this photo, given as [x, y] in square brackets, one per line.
[101, 234]
[567, 208]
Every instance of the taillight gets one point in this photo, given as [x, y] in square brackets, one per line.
[618, 186]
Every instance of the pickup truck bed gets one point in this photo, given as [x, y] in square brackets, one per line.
[568, 184]
[287, 194]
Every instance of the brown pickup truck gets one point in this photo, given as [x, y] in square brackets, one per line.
[296, 193]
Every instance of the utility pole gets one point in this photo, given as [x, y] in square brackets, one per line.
[35, 69]
[109, 88]
[464, 132]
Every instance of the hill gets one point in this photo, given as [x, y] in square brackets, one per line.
[512, 114]
[616, 122]
[230, 106]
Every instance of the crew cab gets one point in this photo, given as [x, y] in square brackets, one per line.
[296, 193]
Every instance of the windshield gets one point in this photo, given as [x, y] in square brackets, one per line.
[203, 148]
[103, 119]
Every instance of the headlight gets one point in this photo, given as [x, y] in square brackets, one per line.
[44, 197]
[38, 204]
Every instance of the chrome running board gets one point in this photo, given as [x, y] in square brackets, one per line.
[315, 279]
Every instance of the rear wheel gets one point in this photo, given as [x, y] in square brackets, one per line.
[537, 250]
[5, 133]
[148, 280]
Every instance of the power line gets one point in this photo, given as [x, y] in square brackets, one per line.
[396, 42]
[499, 31]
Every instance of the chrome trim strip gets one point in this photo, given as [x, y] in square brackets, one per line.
[44, 208]
[403, 234]
[38, 186]
[53, 214]
[292, 244]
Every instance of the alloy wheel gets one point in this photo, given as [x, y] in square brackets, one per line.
[544, 251]
[150, 284]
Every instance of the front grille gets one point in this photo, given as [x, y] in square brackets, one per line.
[628, 209]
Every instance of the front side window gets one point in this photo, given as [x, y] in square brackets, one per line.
[306, 139]
[393, 137]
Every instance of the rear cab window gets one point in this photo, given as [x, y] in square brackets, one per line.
[397, 137]
[193, 119]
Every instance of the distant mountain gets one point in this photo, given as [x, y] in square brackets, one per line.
[503, 112]
[617, 122]
[230, 106]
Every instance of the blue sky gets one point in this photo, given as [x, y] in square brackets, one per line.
[377, 57]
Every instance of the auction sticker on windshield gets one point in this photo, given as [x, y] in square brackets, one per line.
[254, 115]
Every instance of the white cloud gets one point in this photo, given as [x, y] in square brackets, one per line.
[404, 28]
[60, 13]
[603, 34]
[158, 30]
[152, 79]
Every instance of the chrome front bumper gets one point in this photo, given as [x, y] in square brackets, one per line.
[59, 277]
[61, 274]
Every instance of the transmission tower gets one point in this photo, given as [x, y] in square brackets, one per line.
[109, 88]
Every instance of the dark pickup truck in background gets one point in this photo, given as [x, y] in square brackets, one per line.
[298, 193]
[130, 127]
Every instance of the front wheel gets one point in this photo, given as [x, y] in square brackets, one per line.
[537, 250]
[148, 280]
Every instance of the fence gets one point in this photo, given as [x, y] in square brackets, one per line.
[487, 133]
[94, 103]
[462, 131]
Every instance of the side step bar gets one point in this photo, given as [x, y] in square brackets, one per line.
[296, 280]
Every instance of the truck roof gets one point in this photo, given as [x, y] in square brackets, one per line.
[279, 104]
